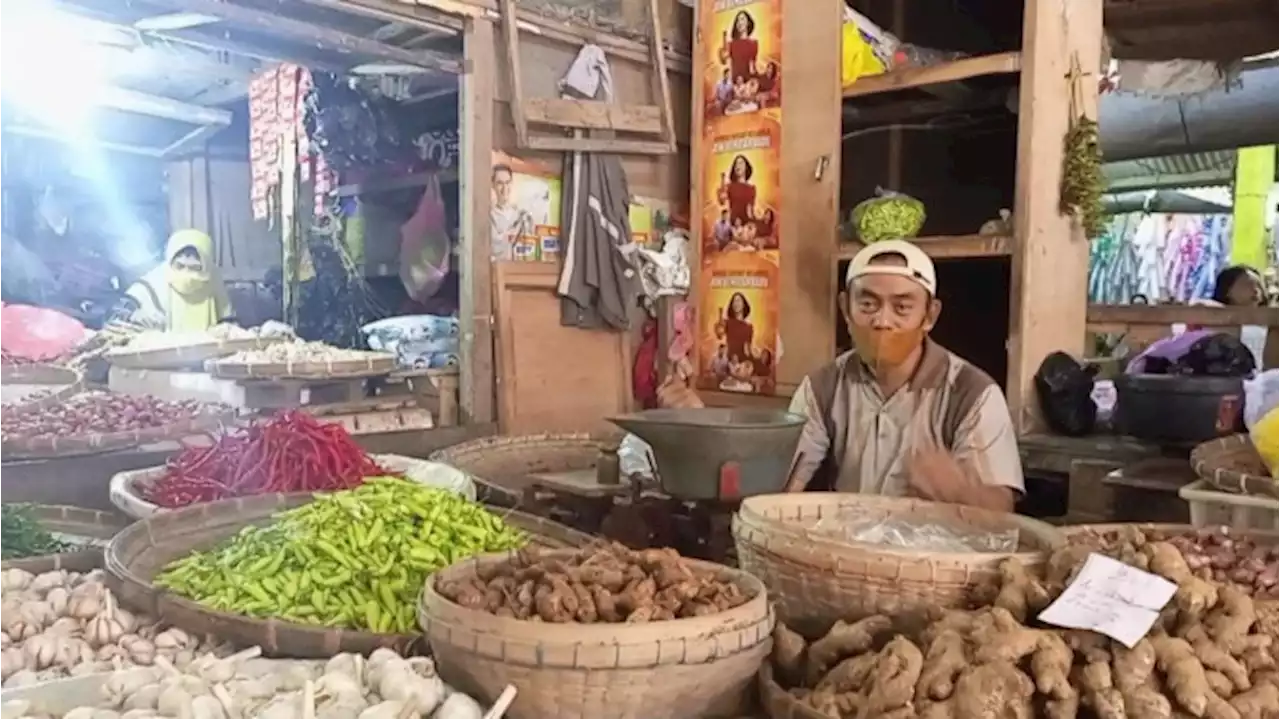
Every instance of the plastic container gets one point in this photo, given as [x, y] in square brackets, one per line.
[1170, 408]
[1211, 508]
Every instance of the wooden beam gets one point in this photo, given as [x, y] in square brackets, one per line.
[999, 64]
[566, 32]
[944, 247]
[511, 40]
[593, 115]
[44, 134]
[141, 103]
[610, 145]
[476, 119]
[662, 83]
[280, 25]
[1182, 314]
[393, 12]
[191, 141]
[1049, 278]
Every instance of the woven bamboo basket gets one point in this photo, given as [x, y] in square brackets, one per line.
[127, 490]
[97, 443]
[777, 702]
[1232, 464]
[89, 528]
[503, 464]
[137, 554]
[681, 668]
[816, 578]
[55, 383]
[372, 364]
[191, 355]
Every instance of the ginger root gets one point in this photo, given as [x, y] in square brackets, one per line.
[842, 641]
[893, 682]
[1183, 672]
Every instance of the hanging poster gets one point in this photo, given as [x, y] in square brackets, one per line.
[741, 58]
[738, 324]
[524, 214]
[739, 161]
[740, 188]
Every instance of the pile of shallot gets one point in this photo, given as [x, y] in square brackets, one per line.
[61, 623]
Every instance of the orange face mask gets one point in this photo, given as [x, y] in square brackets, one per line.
[886, 348]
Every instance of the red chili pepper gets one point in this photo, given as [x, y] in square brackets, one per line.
[290, 452]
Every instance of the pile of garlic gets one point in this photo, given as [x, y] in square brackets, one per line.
[63, 623]
[385, 686]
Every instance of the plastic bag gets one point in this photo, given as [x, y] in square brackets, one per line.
[38, 333]
[1218, 355]
[1161, 354]
[857, 57]
[425, 246]
[888, 216]
[901, 533]
[418, 341]
[1065, 390]
[1266, 439]
[1261, 395]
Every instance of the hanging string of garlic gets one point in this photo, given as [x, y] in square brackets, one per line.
[1083, 182]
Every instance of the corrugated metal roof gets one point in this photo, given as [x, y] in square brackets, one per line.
[1199, 169]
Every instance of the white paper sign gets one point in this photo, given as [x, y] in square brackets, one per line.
[1111, 598]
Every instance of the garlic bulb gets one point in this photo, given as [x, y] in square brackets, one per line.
[44, 582]
[12, 660]
[86, 600]
[172, 639]
[15, 579]
[105, 628]
[57, 599]
[42, 650]
[459, 706]
[14, 708]
[139, 650]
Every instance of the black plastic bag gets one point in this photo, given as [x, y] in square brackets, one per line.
[1065, 388]
[1218, 355]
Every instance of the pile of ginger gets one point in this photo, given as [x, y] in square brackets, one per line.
[1211, 654]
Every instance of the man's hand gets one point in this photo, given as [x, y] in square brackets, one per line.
[675, 392]
[937, 476]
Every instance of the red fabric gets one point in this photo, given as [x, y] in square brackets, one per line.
[38, 333]
[742, 52]
[644, 373]
[738, 335]
[742, 196]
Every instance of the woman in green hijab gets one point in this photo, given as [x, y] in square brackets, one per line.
[185, 292]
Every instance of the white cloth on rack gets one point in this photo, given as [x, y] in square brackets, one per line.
[588, 75]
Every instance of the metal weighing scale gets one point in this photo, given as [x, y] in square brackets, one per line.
[706, 461]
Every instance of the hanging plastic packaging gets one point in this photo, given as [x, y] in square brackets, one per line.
[425, 246]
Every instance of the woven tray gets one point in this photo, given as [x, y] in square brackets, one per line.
[192, 355]
[502, 465]
[60, 381]
[1232, 464]
[55, 447]
[372, 365]
[815, 578]
[77, 523]
[681, 668]
[137, 554]
[126, 490]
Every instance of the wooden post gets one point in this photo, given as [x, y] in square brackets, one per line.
[1050, 255]
[810, 181]
[476, 111]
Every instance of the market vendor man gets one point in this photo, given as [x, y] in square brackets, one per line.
[899, 414]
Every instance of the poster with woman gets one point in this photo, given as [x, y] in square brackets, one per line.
[741, 58]
[741, 190]
[738, 325]
[524, 211]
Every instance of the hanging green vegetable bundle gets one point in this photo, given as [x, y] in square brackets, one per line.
[1082, 180]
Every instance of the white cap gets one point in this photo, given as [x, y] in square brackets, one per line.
[918, 265]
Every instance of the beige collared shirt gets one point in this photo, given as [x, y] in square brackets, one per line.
[948, 403]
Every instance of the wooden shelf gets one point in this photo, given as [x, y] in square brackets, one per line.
[404, 182]
[998, 64]
[946, 247]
